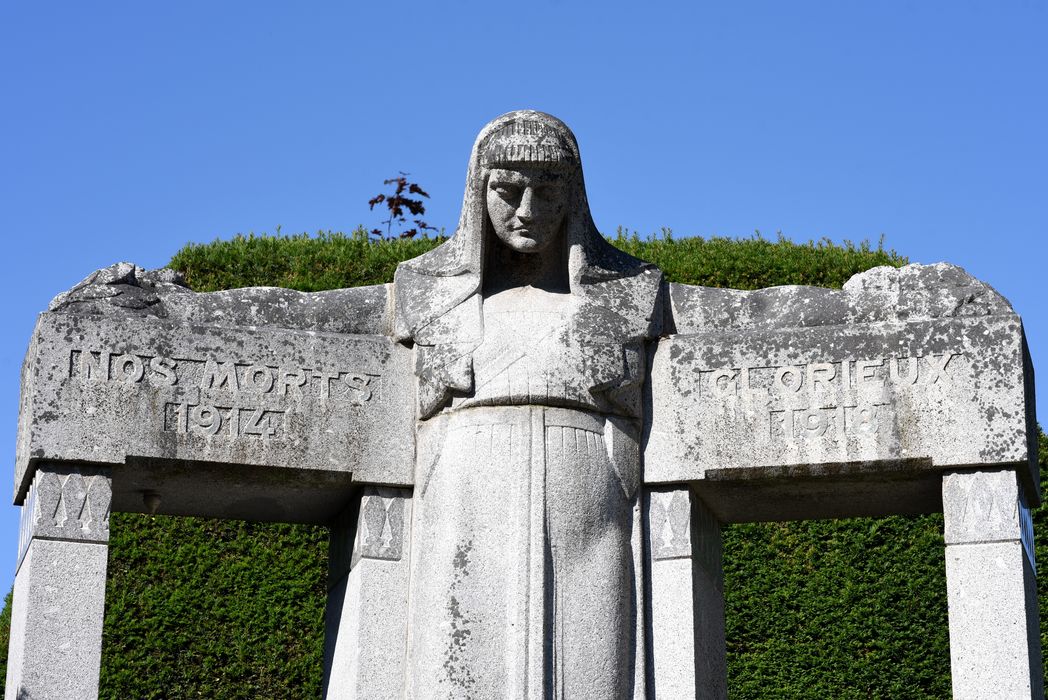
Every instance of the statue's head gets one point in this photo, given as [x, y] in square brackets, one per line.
[531, 164]
[525, 191]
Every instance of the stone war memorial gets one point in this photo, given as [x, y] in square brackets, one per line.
[525, 447]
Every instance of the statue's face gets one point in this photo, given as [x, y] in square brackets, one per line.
[526, 206]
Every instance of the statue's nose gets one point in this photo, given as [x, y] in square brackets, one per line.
[524, 210]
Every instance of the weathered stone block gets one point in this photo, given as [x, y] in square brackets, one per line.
[66, 502]
[820, 385]
[995, 646]
[169, 404]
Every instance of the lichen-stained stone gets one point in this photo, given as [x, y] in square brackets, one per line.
[126, 290]
[530, 332]
[901, 374]
[173, 405]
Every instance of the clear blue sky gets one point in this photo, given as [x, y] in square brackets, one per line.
[132, 128]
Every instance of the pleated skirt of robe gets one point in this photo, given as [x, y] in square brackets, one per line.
[525, 561]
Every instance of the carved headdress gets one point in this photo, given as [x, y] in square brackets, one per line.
[438, 294]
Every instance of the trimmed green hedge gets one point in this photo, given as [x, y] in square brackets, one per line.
[215, 609]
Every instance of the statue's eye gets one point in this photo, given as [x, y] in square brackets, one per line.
[506, 191]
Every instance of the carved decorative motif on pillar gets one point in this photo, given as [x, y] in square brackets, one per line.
[66, 503]
[985, 506]
[380, 529]
[669, 517]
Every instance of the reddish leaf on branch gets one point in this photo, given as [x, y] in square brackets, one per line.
[396, 202]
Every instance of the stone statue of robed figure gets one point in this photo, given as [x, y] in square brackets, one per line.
[525, 447]
[529, 332]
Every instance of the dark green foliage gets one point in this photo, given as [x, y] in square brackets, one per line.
[307, 263]
[755, 262]
[819, 609]
[845, 609]
[213, 609]
[5, 633]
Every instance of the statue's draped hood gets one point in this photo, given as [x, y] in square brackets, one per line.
[438, 294]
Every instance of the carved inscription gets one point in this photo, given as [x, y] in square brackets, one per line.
[844, 375]
[231, 421]
[800, 423]
[217, 397]
[828, 400]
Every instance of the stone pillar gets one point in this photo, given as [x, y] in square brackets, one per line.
[59, 595]
[995, 649]
[366, 622]
[686, 597]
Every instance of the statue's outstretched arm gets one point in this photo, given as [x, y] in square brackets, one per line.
[126, 289]
[881, 294]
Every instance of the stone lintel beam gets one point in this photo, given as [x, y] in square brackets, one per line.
[278, 420]
[836, 403]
